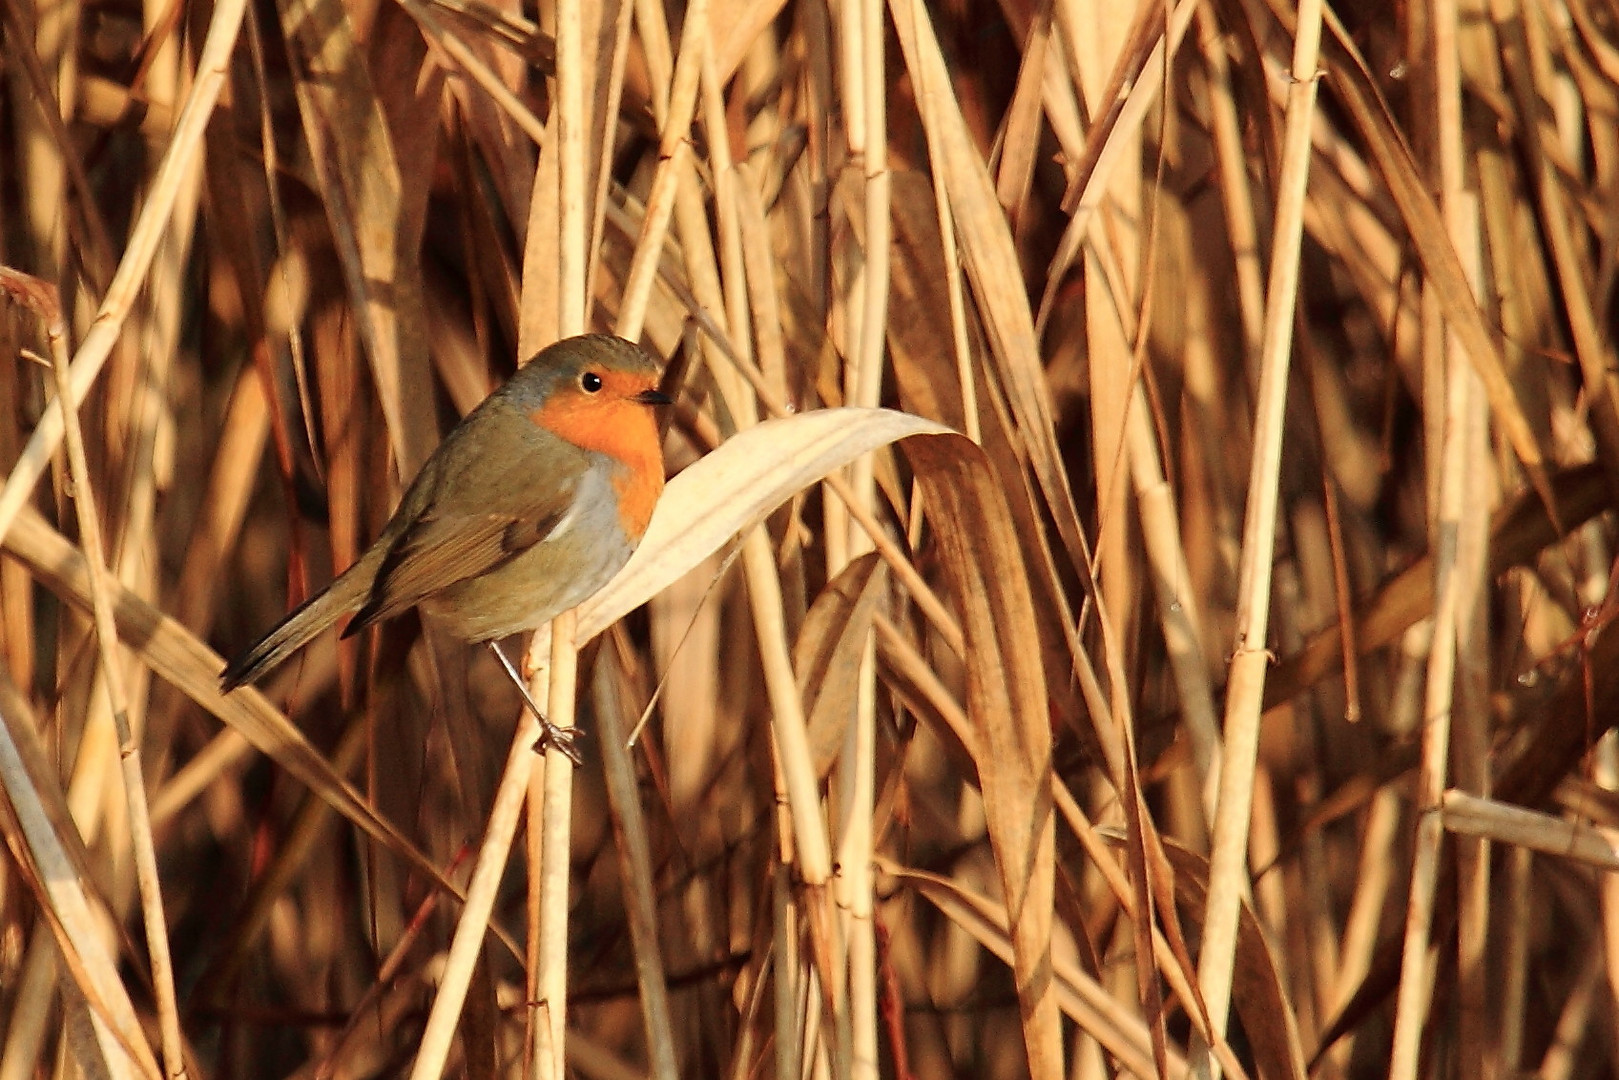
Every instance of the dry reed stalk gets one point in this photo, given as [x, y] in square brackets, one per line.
[552, 816]
[635, 852]
[1479, 494]
[864, 33]
[627, 818]
[550, 803]
[1245, 688]
[434, 1046]
[43, 301]
[78, 923]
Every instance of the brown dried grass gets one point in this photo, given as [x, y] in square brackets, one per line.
[1247, 647]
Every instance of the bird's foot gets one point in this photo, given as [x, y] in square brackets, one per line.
[561, 739]
[552, 736]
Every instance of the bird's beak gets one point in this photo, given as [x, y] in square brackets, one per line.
[653, 397]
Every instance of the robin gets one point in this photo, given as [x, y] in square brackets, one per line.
[529, 505]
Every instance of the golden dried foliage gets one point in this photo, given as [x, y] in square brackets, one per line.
[1132, 595]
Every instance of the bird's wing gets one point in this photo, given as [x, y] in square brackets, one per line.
[443, 547]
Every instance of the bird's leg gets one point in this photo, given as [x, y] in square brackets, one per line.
[551, 735]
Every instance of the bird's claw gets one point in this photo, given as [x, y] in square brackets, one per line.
[561, 739]
[552, 736]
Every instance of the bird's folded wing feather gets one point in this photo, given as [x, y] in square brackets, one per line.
[438, 550]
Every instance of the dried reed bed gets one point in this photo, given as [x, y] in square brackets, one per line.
[1230, 696]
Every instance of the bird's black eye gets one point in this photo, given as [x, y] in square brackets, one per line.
[590, 382]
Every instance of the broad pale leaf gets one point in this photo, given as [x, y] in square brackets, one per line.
[725, 492]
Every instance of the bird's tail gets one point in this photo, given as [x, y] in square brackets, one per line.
[295, 631]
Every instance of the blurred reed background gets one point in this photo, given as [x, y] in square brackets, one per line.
[1255, 653]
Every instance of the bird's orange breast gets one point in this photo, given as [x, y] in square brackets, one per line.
[623, 430]
[638, 491]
